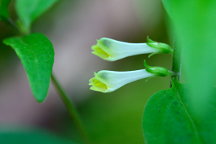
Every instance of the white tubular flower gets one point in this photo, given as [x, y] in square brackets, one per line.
[107, 81]
[112, 50]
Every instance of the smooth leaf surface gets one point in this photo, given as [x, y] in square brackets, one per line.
[4, 12]
[37, 56]
[31, 137]
[168, 121]
[30, 10]
[194, 30]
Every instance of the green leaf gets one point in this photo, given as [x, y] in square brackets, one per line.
[37, 56]
[29, 10]
[4, 12]
[194, 30]
[31, 137]
[167, 119]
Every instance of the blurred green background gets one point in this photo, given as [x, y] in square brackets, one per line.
[73, 26]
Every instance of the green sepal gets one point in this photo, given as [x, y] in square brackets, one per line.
[161, 47]
[158, 71]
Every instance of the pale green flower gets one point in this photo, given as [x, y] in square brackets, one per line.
[108, 81]
[112, 50]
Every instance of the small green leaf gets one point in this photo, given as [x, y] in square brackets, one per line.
[31, 137]
[4, 12]
[37, 56]
[168, 121]
[30, 10]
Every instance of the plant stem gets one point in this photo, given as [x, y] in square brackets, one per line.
[13, 24]
[176, 68]
[71, 109]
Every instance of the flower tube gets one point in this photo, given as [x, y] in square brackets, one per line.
[112, 50]
[107, 81]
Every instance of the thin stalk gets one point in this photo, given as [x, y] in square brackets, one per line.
[71, 109]
[13, 24]
[175, 64]
[176, 67]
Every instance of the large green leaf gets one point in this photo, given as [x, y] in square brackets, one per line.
[31, 137]
[194, 32]
[4, 12]
[193, 23]
[167, 119]
[30, 10]
[37, 55]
